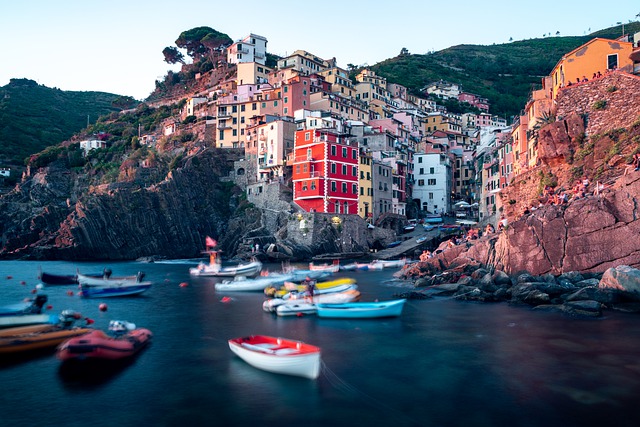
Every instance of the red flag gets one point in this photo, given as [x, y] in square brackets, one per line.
[210, 242]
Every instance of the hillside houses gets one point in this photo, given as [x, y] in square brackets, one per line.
[365, 146]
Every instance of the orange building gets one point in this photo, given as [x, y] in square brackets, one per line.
[325, 171]
[597, 55]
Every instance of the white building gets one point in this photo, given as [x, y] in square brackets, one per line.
[432, 189]
[91, 144]
[252, 48]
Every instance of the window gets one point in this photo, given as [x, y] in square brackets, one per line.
[361, 174]
[334, 187]
[234, 121]
[354, 189]
[234, 132]
[612, 61]
[431, 182]
[297, 169]
[305, 168]
[234, 109]
[307, 136]
[313, 185]
[432, 170]
[344, 152]
[286, 100]
[344, 169]
[419, 159]
[344, 187]
[333, 168]
[354, 154]
[354, 171]
[421, 171]
[333, 150]
[221, 136]
[254, 106]
[304, 186]
[242, 107]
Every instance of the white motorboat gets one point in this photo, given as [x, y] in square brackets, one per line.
[242, 283]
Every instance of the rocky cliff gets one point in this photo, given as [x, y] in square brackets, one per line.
[56, 215]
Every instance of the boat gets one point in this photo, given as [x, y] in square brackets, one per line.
[390, 263]
[108, 280]
[408, 228]
[120, 289]
[61, 279]
[433, 219]
[278, 355]
[124, 340]
[422, 239]
[29, 306]
[296, 309]
[428, 227]
[42, 336]
[334, 267]
[394, 244]
[216, 269]
[299, 275]
[350, 295]
[361, 310]
[337, 285]
[242, 283]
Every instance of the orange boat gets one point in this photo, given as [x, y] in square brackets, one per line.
[125, 340]
[37, 337]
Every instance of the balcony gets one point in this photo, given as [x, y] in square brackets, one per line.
[303, 159]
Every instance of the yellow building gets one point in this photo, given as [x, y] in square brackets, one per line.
[365, 199]
[596, 56]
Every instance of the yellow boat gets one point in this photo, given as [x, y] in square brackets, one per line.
[328, 286]
[37, 337]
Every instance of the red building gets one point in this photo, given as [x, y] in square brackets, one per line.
[325, 171]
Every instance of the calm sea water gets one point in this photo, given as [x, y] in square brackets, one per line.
[442, 363]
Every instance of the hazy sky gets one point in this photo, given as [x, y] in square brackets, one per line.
[116, 46]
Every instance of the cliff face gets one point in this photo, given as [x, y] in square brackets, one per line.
[52, 216]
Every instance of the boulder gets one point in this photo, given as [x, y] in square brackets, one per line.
[621, 278]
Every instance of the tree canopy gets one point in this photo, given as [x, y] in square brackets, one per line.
[172, 55]
[198, 41]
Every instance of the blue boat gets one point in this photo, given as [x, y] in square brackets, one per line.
[122, 290]
[361, 310]
[433, 219]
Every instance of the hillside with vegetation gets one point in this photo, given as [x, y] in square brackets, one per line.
[505, 74]
[34, 117]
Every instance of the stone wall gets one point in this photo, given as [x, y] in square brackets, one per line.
[620, 91]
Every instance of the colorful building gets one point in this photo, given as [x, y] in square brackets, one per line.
[325, 169]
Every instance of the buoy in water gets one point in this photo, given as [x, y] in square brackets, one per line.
[22, 282]
[225, 299]
[184, 284]
[70, 293]
[33, 291]
[9, 277]
[49, 307]
[103, 307]
[299, 314]
[89, 321]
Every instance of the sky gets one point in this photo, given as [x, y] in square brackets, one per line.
[116, 46]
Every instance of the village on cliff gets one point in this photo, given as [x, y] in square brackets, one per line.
[370, 148]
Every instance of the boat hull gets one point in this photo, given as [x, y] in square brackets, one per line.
[215, 270]
[361, 310]
[36, 337]
[98, 345]
[257, 284]
[296, 309]
[27, 319]
[335, 297]
[104, 281]
[278, 355]
[114, 291]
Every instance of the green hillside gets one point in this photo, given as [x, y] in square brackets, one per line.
[33, 117]
[505, 74]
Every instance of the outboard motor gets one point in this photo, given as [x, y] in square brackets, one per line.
[37, 304]
[140, 276]
[107, 272]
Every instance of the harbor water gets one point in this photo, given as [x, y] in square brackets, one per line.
[441, 363]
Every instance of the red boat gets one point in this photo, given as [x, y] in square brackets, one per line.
[125, 340]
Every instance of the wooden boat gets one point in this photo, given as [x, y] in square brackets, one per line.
[361, 310]
[125, 340]
[241, 283]
[119, 289]
[108, 280]
[350, 295]
[337, 285]
[216, 269]
[278, 355]
[36, 337]
[334, 267]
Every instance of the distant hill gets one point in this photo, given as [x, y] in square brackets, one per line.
[505, 73]
[33, 117]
